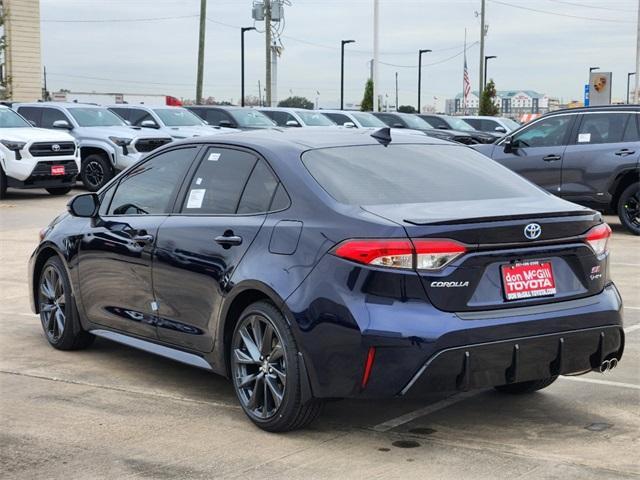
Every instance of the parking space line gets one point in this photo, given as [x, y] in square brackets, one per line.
[632, 328]
[627, 264]
[609, 383]
[421, 412]
[631, 308]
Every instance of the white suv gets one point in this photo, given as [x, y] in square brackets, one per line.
[33, 157]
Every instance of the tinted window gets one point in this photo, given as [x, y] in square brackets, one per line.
[259, 190]
[488, 125]
[632, 132]
[32, 114]
[281, 118]
[122, 112]
[214, 117]
[314, 119]
[248, 117]
[280, 199]
[436, 122]
[339, 118]
[95, 117]
[391, 120]
[397, 174]
[602, 128]
[219, 181]
[50, 115]
[148, 188]
[548, 132]
[367, 119]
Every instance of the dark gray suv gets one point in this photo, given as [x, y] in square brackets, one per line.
[586, 155]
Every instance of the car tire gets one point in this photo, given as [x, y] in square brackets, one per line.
[58, 311]
[629, 208]
[3, 184]
[526, 387]
[96, 171]
[59, 190]
[264, 376]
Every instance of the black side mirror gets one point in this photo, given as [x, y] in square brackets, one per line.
[62, 124]
[226, 124]
[442, 127]
[508, 145]
[84, 205]
[397, 125]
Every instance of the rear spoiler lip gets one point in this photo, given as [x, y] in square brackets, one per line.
[498, 218]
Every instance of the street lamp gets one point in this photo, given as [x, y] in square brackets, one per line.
[342, 44]
[420, 52]
[591, 69]
[242, 32]
[629, 75]
[486, 57]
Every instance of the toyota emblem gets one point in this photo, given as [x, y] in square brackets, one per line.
[55, 147]
[532, 231]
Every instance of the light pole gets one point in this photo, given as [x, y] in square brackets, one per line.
[396, 91]
[420, 52]
[242, 32]
[342, 44]
[629, 75]
[487, 57]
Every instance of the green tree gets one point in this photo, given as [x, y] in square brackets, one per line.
[406, 109]
[296, 102]
[367, 101]
[487, 107]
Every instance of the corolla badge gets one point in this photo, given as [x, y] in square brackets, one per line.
[532, 231]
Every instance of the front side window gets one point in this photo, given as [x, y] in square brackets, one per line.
[488, 125]
[368, 120]
[315, 119]
[412, 173]
[281, 118]
[95, 117]
[50, 115]
[548, 132]
[252, 118]
[10, 119]
[148, 189]
[435, 121]
[601, 128]
[177, 117]
[413, 121]
[459, 124]
[338, 118]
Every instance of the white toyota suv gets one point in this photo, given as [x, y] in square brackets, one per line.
[33, 157]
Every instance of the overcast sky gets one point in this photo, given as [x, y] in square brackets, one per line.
[548, 52]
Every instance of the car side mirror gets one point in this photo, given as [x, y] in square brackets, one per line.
[397, 125]
[508, 145]
[84, 205]
[292, 123]
[442, 127]
[62, 124]
[226, 124]
[349, 125]
[149, 124]
[501, 129]
[33, 123]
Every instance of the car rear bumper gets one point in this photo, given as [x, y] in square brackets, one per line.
[516, 360]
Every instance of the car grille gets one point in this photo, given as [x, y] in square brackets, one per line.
[43, 169]
[52, 149]
[150, 144]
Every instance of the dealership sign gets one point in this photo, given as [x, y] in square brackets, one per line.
[600, 88]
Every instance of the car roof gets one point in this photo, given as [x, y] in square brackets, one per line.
[60, 104]
[139, 105]
[596, 108]
[222, 107]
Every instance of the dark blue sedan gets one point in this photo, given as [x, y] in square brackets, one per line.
[307, 265]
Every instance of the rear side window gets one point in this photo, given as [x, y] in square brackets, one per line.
[259, 191]
[400, 174]
[602, 128]
[632, 132]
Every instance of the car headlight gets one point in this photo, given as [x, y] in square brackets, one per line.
[14, 147]
[122, 142]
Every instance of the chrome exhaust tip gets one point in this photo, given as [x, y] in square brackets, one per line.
[605, 366]
[613, 363]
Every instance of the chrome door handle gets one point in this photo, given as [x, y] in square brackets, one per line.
[551, 158]
[228, 240]
[624, 152]
[143, 239]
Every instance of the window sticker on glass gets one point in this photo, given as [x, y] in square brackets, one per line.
[584, 137]
[214, 157]
[198, 181]
[196, 196]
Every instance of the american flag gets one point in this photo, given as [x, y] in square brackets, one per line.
[466, 84]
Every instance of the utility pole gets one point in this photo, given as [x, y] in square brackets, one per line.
[482, 32]
[486, 57]
[396, 91]
[420, 52]
[342, 44]
[376, 20]
[629, 75]
[242, 32]
[267, 42]
[45, 93]
[203, 24]
[636, 94]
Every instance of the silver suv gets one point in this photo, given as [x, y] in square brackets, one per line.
[107, 143]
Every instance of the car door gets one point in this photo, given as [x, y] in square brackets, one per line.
[604, 144]
[198, 248]
[536, 151]
[116, 250]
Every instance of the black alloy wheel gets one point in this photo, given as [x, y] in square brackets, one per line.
[629, 208]
[53, 304]
[96, 172]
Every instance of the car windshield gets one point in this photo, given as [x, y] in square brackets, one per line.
[416, 122]
[411, 173]
[95, 117]
[510, 123]
[459, 124]
[314, 119]
[178, 117]
[368, 120]
[10, 119]
[251, 118]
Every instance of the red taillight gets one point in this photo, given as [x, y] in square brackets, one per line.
[598, 238]
[368, 365]
[430, 254]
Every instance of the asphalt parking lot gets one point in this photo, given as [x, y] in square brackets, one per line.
[114, 412]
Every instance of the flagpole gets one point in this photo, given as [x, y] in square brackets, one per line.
[464, 67]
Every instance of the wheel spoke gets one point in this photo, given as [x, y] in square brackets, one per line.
[257, 332]
[280, 374]
[267, 340]
[47, 307]
[256, 393]
[276, 394]
[252, 348]
[242, 357]
[247, 380]
[59, 320]
[276, 352]
[51, 322]
[265, 398]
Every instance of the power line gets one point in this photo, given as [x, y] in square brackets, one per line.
[433, 63]
[598, 7]
[557, 14]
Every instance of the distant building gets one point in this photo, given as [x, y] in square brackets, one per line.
[21, 60]
[511, 103]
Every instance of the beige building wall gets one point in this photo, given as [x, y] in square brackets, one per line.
[22, 55]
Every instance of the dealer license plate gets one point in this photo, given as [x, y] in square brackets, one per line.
[57, 170]
[528, 280]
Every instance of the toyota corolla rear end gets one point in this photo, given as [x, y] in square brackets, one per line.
[467, 276]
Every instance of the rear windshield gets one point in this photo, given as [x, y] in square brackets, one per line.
[377, 175]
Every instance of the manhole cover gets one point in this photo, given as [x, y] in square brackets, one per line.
[405, 444]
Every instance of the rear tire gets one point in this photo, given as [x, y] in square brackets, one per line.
[266, 371]
[629, 208]
[58, 311]
[59, 190]
[3, 184]
[96, 171]
[526, 387]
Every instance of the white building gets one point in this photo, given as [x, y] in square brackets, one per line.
[511, 103]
